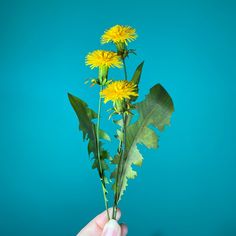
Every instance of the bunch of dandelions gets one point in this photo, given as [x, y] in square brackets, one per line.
[154, 111]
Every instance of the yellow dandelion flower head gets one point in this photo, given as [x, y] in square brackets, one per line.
[99, 58]
[119, 90]
[119, 34]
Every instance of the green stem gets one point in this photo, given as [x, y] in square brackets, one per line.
[125, 70]
[120, 166]
[121, 156]
[124, 116]
[117, 181]
[101, 173]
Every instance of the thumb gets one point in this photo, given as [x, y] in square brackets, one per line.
[112, 228]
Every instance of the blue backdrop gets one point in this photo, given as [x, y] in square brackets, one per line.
[187, 187]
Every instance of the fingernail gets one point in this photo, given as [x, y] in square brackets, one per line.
[112, 228]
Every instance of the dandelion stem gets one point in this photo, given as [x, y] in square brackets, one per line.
[101, 172]
[124, 117]
[117, 180]
[125, 70]
[121, 152]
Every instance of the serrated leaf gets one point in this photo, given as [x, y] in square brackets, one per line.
[86, 125]
[156, 110]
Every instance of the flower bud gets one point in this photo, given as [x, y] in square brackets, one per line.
[121, 49]
[103, 75]
[120, 106]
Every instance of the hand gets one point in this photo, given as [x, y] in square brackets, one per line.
[100, 226]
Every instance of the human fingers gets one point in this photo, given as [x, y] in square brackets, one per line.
[112, 228]
[95, 226]
[101, 219]
[124, 229]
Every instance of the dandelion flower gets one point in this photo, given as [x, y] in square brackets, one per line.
[119, 34]
[119, 90]
[102, 58]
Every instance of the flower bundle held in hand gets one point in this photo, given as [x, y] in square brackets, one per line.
[155, 110]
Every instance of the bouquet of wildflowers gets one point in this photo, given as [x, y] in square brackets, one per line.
[153, 112]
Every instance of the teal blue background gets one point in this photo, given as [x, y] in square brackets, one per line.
[187, 187]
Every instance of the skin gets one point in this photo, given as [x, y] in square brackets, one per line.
[100, 226]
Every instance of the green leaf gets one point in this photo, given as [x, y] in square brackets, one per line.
[104, 135]
[137, 74]
[155, 110]
[136, 78]
[88, 128]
